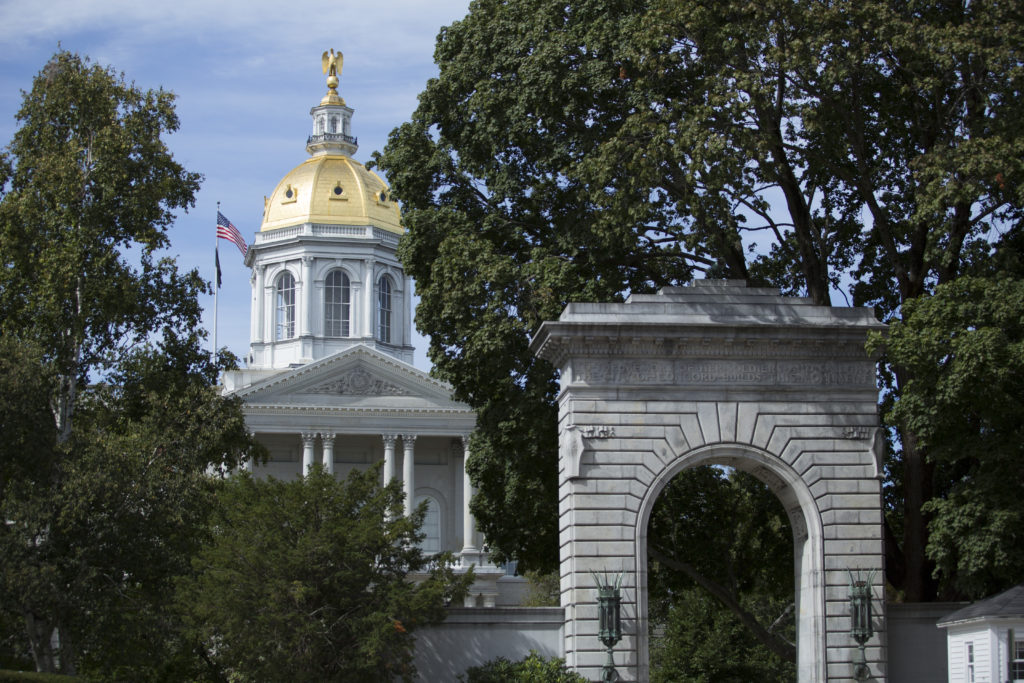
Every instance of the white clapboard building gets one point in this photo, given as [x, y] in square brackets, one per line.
[985, 640]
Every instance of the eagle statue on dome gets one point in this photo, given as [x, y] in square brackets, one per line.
[332, 63]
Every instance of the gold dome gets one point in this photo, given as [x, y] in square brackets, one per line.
[331, 189]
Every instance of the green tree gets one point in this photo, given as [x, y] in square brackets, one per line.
[700, 642]
[111, 421]
[315, 580]
[577, 151]
[532, 669]
[726, 587]
[964, 347]
[94, 542]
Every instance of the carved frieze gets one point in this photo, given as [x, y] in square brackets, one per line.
[358, 382]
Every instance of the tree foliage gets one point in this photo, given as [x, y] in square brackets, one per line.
[111, 423]
[579, 151]
[728, 587]
[703, 643]
[532, 669]
[311, 580]
[964, 347]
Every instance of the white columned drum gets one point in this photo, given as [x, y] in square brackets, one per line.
[718, 373]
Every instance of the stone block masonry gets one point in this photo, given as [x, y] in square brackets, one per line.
[717, 373]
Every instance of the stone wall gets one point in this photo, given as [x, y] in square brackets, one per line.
[473, 636]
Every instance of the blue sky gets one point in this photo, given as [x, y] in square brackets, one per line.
[246, 74]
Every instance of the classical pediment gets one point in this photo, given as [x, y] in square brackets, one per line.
[359, 378]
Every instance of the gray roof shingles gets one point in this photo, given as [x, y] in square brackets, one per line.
[1007, 604]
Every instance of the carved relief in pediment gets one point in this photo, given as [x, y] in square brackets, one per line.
[358, 382]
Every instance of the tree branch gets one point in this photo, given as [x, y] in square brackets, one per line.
[778, 645]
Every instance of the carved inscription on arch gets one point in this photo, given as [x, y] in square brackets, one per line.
[725, 372]
[715, 372]
[825, 374]
[625, 371]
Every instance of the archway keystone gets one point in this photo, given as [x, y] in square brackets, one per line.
[717, 373]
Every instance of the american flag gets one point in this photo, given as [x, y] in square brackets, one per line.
[227, 231]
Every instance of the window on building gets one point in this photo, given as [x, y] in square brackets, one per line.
[337, 304]
[285, 306]
[384, 309]
[1016, 659]
[969, 661]
[334, 124]
[431, 528]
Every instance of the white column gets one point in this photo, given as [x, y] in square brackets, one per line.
[408, 471]
[407, 313]
[247, 465]
[308, 443]
[389, 457]
[269, 311]
[306, 295]
[368, 299]
[468, 521]
[257, 305]
[328, 440]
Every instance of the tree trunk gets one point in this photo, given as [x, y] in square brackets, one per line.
[919, 585]
[40, 641]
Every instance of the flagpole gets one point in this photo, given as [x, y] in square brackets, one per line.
[216, 284]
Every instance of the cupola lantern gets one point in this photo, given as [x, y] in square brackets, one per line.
[332, 118]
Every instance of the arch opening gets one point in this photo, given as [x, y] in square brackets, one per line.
[799, 508]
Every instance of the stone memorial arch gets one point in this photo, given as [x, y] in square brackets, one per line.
[718, 373]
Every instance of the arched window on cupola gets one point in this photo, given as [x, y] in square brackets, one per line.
[334, 124]
[285, 297]
[337, 304]
[384, 309]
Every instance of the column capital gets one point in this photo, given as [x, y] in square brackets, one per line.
[308, 438]
[409, 439]
[327, 437]
[389, 440]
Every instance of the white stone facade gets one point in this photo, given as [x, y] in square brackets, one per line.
[361, 407]
[718, 374]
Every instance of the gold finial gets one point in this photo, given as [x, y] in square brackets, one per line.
[332, 62]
